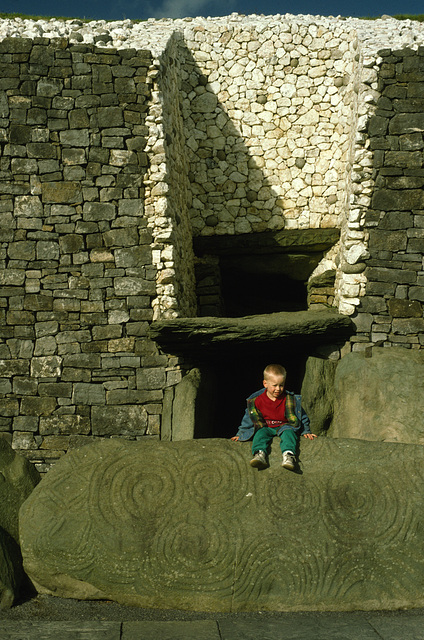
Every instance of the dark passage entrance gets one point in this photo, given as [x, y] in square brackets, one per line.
[252, 311]
[257, 273]
[226, 358]
[226, 385]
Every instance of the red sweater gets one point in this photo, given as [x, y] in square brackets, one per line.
[273, 411]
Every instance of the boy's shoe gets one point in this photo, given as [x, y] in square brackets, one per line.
[289, 461]
[259, 460]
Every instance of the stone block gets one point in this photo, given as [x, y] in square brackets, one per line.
[396, 220]
[386, 274]
[398, 200]
[71, 243]
[175, 525]
[204, 103]
[125, 420]
[78, 119]
[88, 394]
[64, 425]
[110, 117]
[416, 245]
[46, 366]
[55, 443]
[75, 138]
[10, 368]
[26, 423]
[402, 123]
[20, 134]
[61, 192]
[379, 397]
[406, 308]
[14, 277]
[403, 159]
[15, 318]
[387, 240]
[118, 345]
[42, 150]
[47, 250]
[55, 389]
[377, 126]
[133, 286]
[121, 237]
[108, 332]
[9, 407]
[25, 386]
[97, 211]
[28, 206]
[151, 378]
[408, 326]
[36, 406]
[133, 257]
[38, 302]
[82, 360]
[73, 156]
[19, 477]
[416, 293]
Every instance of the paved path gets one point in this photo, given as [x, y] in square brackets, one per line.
[406, 625]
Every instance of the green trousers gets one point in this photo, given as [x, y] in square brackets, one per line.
[263, 438]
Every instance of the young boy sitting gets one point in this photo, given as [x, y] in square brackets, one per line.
[271, 412]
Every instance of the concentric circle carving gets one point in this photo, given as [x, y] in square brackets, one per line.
[218, 477]
[362, 506]
[193, 554]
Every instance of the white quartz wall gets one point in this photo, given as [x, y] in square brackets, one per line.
[269, 135]
[167, 190]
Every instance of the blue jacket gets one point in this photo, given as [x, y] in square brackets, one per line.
[247, 428]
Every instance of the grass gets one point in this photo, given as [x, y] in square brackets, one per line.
[4, 16]
[418, 18]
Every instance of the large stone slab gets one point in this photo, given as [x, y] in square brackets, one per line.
[378, 395]
[190, 525]
[10, 572]
[212, 336]
[18, 477]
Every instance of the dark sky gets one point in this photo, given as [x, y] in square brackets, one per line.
[142, 9]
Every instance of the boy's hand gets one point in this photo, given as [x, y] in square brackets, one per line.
[310, 436]
[235, 438]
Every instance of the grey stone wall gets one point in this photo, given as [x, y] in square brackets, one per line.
[77, 278]
[391, 312]
[112, 161]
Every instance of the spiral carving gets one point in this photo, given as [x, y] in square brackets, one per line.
[191, 525]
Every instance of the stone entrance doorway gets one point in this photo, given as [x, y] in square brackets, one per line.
[227, 356]
[252, 293]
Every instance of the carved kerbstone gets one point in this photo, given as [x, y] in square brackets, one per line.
[18, 477]
[191, 525]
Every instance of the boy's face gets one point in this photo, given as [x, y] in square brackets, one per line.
[274, 386]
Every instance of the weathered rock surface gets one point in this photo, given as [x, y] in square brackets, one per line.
[210, 335]
[191, 525]
[380, 397]
[318, 392]
[18, 477]
[10, 571]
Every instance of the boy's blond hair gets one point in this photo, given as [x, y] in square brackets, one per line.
[276, 370]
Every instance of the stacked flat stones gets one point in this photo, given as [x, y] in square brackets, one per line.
[77, 278]
[121, 140]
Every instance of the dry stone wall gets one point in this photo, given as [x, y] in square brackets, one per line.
[120, 142]
[77, 277]
[391, 312]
